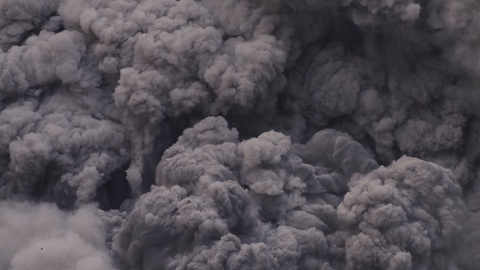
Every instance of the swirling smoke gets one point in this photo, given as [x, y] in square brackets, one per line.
[248, 134]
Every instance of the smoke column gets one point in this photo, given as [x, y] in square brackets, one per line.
[248, 134]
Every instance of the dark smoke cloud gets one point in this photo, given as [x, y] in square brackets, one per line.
[405, 216]
[252, 134]
[255, 201]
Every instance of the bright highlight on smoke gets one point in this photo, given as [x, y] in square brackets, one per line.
[251, 134]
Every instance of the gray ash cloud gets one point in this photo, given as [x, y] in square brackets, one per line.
[252, 134]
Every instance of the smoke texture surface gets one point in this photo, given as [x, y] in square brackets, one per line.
[248, 134]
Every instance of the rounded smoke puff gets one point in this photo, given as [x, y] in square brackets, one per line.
[255, 199]
[405, 216]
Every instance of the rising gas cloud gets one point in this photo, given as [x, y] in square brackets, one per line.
[248, 134]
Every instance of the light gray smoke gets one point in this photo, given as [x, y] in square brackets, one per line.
[41, 236]
[250, 134]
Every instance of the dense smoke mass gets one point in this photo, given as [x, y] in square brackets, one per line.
[247, 134]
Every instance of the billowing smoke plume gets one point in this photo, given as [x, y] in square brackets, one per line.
[251, 134]
[256, 202]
